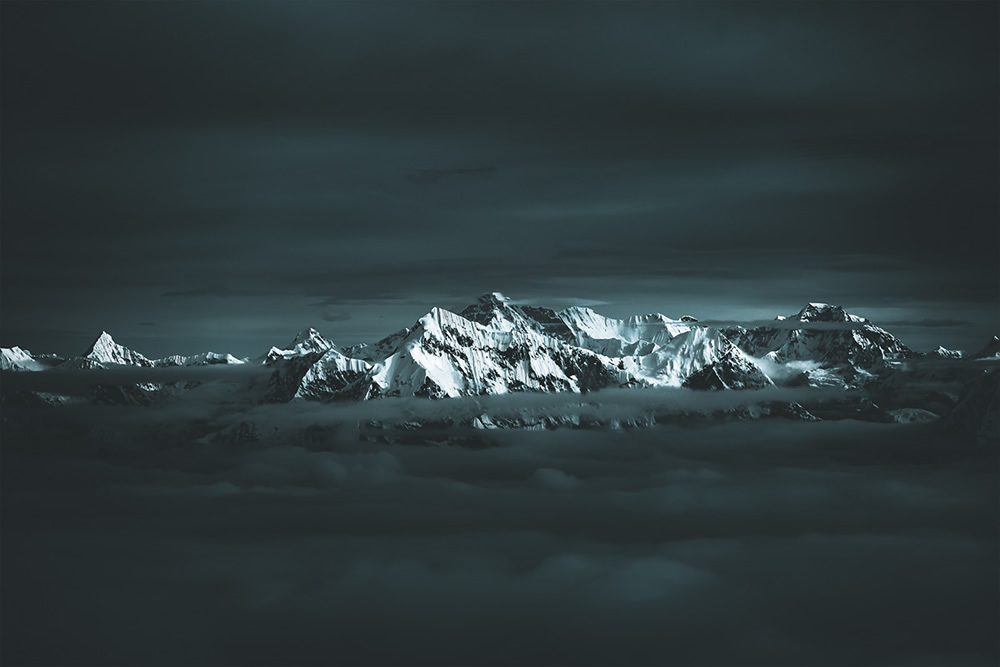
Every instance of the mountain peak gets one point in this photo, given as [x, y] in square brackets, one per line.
[105, 350]
[307, 341]
[491, 297]
[307, 335]
[494, 309]
[103, 341]
[824, 312]
[310, 339]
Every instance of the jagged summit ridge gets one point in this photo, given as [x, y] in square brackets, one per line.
[446, 355]
[626, 337]
[824, 312]
[496, 345]
[307, 341]
[203, 359]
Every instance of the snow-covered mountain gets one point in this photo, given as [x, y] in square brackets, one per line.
[494, 310]
[654, 349]
[203, 359]
[944, 353]
[496, 346]
[16, 359]
[329, 375]
[732, 369]
[824, 334]
[105, 350]
[446, 355]
[680, 357]
[307, 341]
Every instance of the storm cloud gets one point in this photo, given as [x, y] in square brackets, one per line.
[216, 168]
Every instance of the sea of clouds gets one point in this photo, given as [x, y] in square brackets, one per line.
[140, 536]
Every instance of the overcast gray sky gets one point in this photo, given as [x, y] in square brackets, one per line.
[200, 175]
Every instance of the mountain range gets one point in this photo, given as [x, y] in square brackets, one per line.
[495, 346]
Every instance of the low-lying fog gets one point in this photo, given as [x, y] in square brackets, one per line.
[134, 536]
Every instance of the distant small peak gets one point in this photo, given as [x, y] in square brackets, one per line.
[688, 318]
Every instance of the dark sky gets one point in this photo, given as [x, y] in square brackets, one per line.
[199, 175]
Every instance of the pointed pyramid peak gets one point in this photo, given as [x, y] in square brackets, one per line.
[102, 341]
[105, 350]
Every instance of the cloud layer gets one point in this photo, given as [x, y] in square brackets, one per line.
[141, 536]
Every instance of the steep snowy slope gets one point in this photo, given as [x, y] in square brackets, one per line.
[329, 375]
[596, 332]
[445, 354]
[650, 349]
[733, 370]
[689, 353]
[16, 359]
